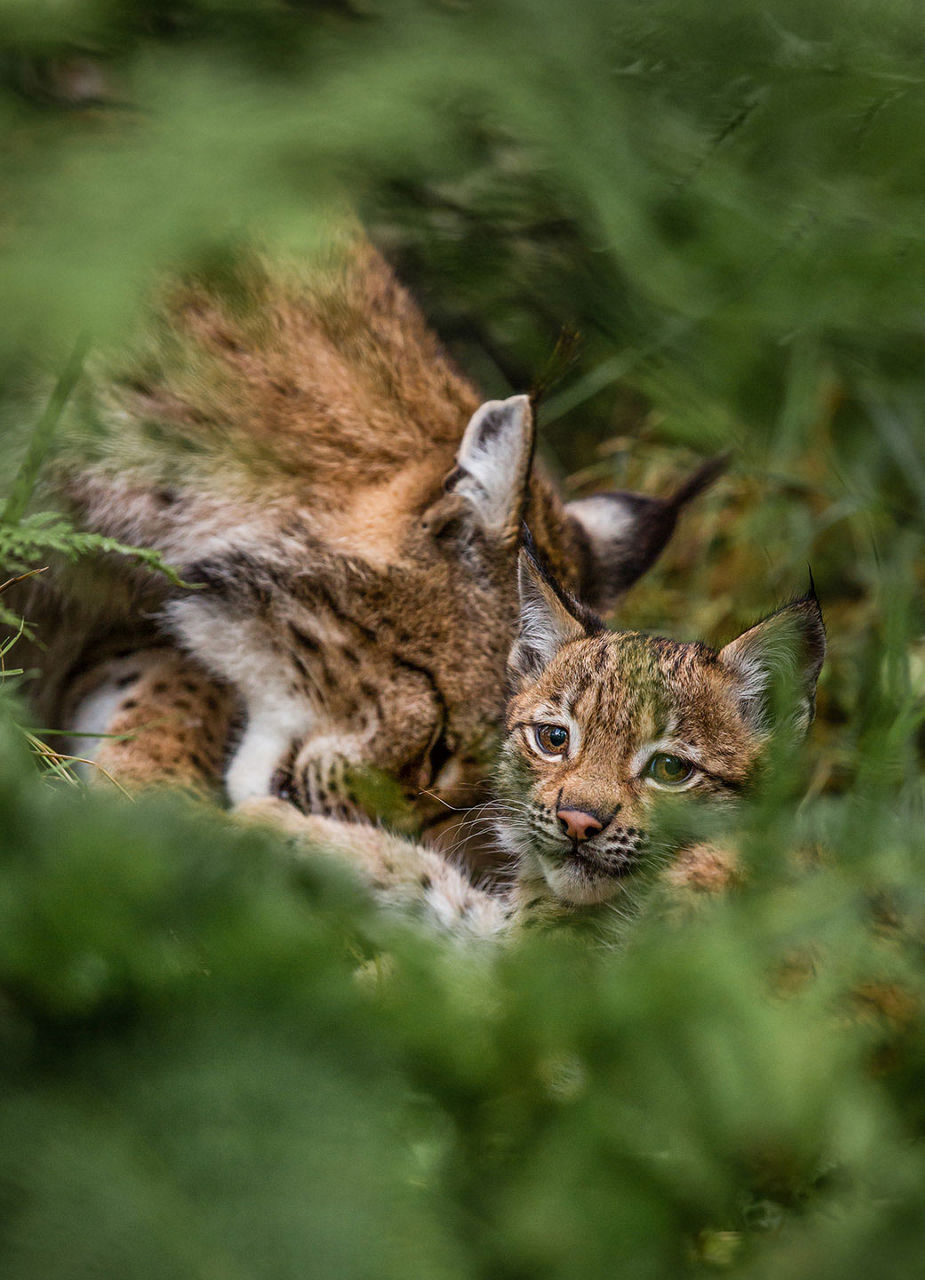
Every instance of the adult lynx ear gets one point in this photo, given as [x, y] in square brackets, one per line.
[493, 467]
[549, 619]
[778, 662]
[626, 532]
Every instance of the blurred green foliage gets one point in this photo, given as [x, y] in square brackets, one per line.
[216, 1063]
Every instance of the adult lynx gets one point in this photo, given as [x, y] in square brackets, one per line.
[296, 441]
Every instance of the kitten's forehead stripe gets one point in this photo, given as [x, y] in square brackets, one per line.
[582, 687]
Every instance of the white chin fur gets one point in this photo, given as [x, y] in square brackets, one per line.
[574, 885]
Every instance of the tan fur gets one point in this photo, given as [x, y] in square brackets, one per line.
[169, 722]
[704, 868]
[292, 436]
[412, 876]
[623, 697]
[311, 392]
[403, 873]
[621, 701]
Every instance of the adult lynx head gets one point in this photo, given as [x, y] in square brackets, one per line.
[602, 724]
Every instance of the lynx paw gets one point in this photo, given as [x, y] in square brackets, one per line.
[704, 868]
[323, 779]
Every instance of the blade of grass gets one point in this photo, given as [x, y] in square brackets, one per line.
[60, 765]
[40, 443]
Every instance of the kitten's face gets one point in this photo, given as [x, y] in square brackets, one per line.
[602, 726]
[612, 725]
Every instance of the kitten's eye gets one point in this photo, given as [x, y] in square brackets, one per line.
[551, 739]
[668, 771]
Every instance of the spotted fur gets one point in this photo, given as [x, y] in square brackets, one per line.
[150, 717]
[622, 698]
[292, 436]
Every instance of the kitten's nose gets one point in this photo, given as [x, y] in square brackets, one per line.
[579, 825]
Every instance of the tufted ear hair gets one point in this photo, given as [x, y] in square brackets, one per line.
[549, 618]
[626, 532]
[777, 662]
[487, 489]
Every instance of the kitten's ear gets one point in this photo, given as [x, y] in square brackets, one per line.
[488, 485]
[626, 532]
[778, 662]
[549, 619]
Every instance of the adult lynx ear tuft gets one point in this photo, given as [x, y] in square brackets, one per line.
[493, 466]
[549, 619]
[778, 662]
[626, 532]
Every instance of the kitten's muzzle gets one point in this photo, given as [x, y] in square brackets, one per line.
[616, 854]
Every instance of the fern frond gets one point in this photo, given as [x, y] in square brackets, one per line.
[37, 536]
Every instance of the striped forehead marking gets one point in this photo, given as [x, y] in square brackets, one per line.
[625, 688]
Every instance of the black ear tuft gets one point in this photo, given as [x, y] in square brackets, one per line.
[700, 480]
[625, 533]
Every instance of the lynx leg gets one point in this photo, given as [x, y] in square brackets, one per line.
[402, 873]
[170, 720]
